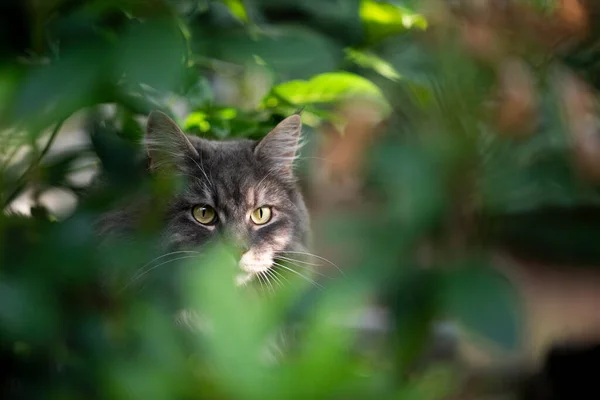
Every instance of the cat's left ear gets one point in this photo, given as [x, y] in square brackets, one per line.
[280, 146]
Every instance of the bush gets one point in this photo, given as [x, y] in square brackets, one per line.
[446, 132]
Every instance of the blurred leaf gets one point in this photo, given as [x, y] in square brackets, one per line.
[337, 19]
[9, 82]
[330, 88]
[61, 88]
[534, 234]
[200, 93]
[370, 60]
[412, 295]
[236, 324]
[197, 120]
[384, 18]
[292, 52]
[222, 122]
[159, 43]
[412, 177]
[485, 302]
[324, 359]
[437, 383]
[237, 8]
[120, 158]
[232, 69]
[28, 311]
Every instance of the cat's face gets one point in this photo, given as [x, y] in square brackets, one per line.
[243, 191]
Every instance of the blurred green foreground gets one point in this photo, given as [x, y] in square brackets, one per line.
[486, 138]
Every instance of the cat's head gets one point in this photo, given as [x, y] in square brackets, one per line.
[241, 190]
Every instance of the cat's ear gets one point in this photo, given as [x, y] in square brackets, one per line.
[280, 146]
[166, 144]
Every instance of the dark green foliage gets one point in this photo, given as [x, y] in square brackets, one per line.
[442, 177]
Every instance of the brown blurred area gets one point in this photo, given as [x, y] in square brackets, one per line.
[560, 302]
[337, 173]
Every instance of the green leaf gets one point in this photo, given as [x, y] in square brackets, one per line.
[367, 59]
[197, 120]
[166, 54]
[291, 52]
[484, 301]
[236, 7]
[382, 19]
[330, 88]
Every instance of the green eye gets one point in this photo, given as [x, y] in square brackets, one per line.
[261, 215]
[204, 214]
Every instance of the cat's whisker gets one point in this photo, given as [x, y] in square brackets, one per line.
[201, 168]
[266, 175]
[313, 158]
[292, 262]
[269, 280]
[277, 273]
[313, 255]
[275, 278]
[204, 185]
[211, 178]
[187, 156]
[139, 276]
[299, 274]
[259, 280]
[266, 278]
[141, 269]
[299, 261]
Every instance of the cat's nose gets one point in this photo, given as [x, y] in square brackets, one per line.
[237, 241]
[238, 249]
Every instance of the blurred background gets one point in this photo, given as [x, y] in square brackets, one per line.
[452, 172]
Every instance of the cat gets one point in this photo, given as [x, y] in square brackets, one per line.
[244, 191]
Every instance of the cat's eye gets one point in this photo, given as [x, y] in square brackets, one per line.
[261, 215]
[204, 214]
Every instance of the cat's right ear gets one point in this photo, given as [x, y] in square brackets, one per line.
[166, 144]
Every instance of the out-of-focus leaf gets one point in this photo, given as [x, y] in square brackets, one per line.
[27, 312]
[236, 324]
[61, 87]
[412, 301]
[437, 383]
[330, 88]
[292, 52]
[197, 120]
[9, 81]
[158, 369]
[200, 93]
[226, 122]
[382, 19]
[337, 19]
[120, 158]
[413, 62]
[485, 302]
[367, 59]
[237, 8]
[414, 184]
[533, 233]
[159, 43]
[324, 358]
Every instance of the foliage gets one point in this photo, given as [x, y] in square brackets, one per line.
[482, 142]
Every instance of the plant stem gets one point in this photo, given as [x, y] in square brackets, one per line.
[22, 181]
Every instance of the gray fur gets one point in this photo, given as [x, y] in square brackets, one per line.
[234, 177]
